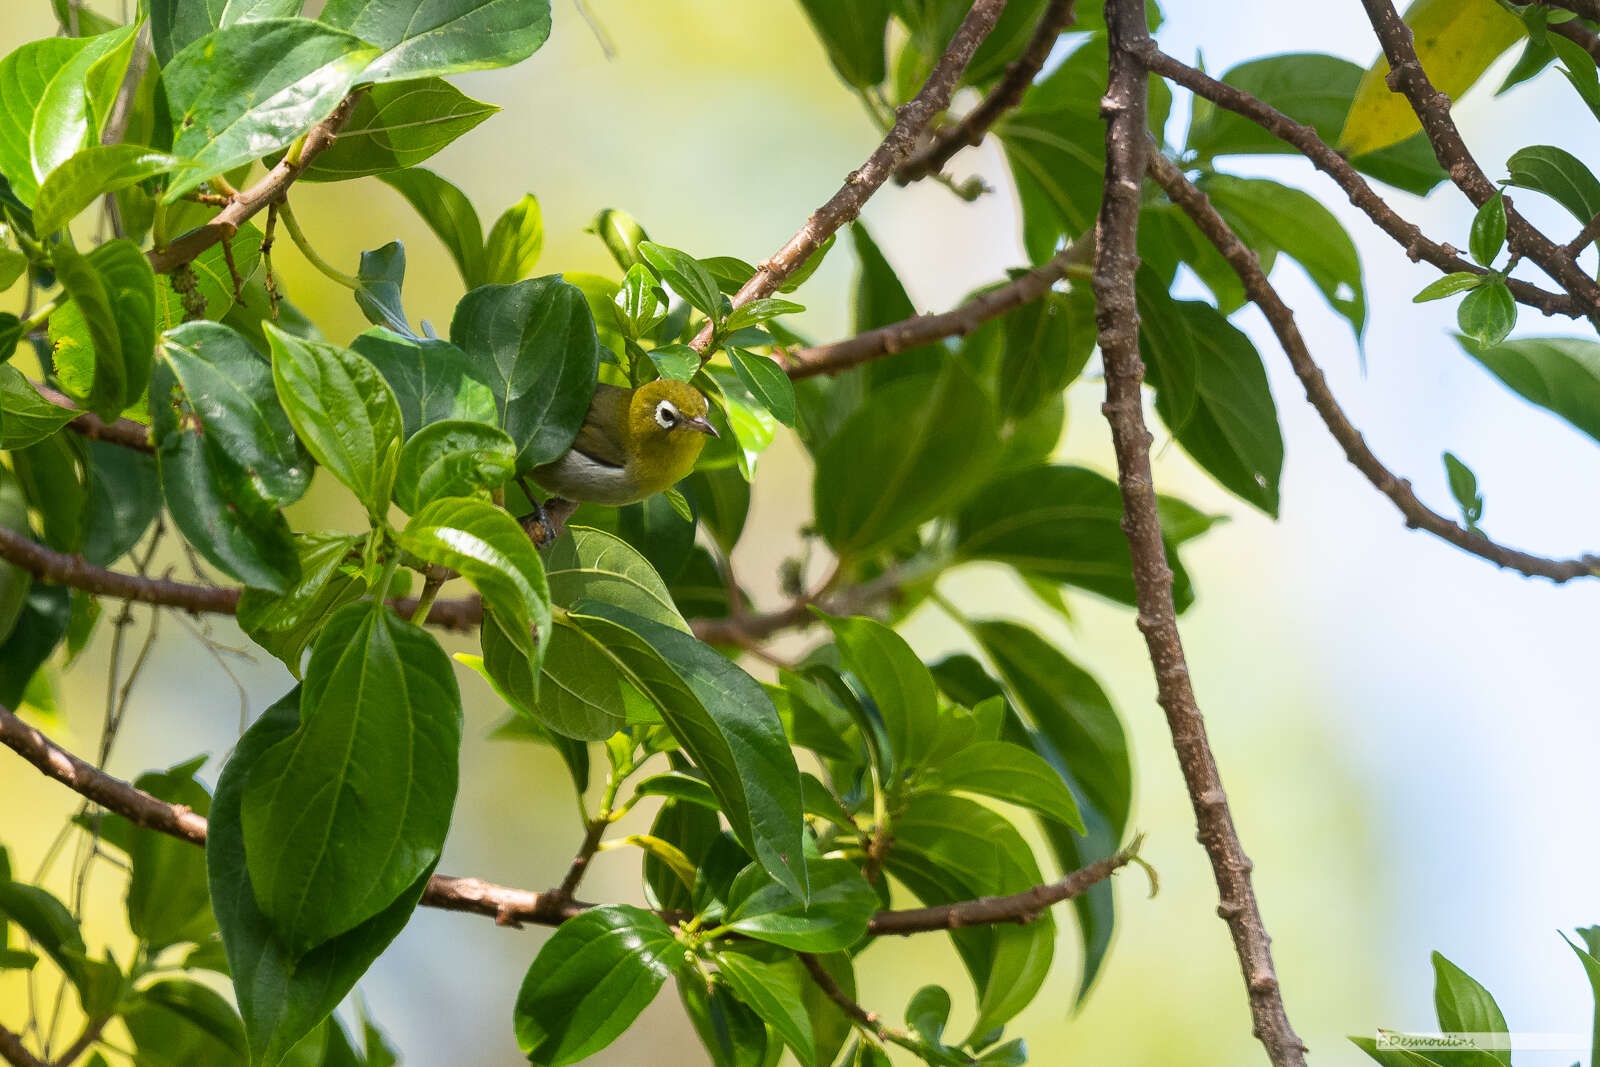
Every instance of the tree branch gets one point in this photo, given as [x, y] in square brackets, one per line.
[845, 205]
[124, 432]
[923, 329]
[507, 905]
[1116, 314]
[1432, 109]
[1006, 94]
[1304, 139]
[1261, 292]
[14, 1053]
[246, 204]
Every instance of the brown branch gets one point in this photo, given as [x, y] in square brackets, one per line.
[507, 905]
[91, 1033]
[1116, 314]
[923, 329]
[1304, 139]
[848, 601]
[124, 432]
[1261, 292]
[1432, 109]
[14, 1053]
[258, 197]
[845, 205]
[1580, 35]
[1589, 233]
[1006, 94]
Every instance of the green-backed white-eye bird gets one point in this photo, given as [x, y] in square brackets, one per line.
[634, 443]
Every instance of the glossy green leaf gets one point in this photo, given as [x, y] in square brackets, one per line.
[432, 380]
[448, 213]
[176, 1022]
[282, 996]
[1488, 313]
[124, 494]
[676, 362]
[621, 233]
[26, 417]
[343, 410]
[51, 475]
[65, 119]
[90, 174]
[1009, 772]
[733, 1034]
[1579, 68]
[246, 90]
[1560, 374]
[515, 241]
[1464, 487]
[452, 458]
[1063, 524]
[757, 312]
[914, 449]
[168, 901]
[1464, 1005]
[852, 34]
[341, 817]
[640, 303]
[767, 383]
[25, 75]
[590, 981]
[48, 924]
[841, 905]
[422, 38]
[774, 990]
[1558, 174]
[174, 24]
[679, 787]
[378, 283]
[1488, 230]
[928, 1012]
[1456, 40]
[898, 683]
[687, 277]
[1449, 285]
[1211, 391]
[397, 125]
[1587, 955]
[485, 545]
[588, 565]
[214, 282]
[330, 577]
[113, 297]
[535, 344]
[726, 723]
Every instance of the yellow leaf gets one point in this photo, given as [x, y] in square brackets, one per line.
[1456, 41]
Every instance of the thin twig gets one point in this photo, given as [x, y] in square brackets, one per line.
[1006, 94]
[1117, 316]
[845, 205]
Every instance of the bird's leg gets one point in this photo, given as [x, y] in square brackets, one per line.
[545, 523]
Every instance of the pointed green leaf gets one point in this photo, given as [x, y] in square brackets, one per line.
[397, 125]
[452, 458]
[515, 241]
[90, 174]
[422, 38]
[448, 213]
[432, 380]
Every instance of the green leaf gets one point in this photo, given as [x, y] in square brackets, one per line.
[246, 90]
[1488, 313]
[914, 450]
[841, 904]
[590, 981]
[422, 38]
[180, 1023]
[679, 787]
[1449, 285]
[448, 213]
[452, 458]
[1211, 391]
[726, 723]
[757, 312]
[433, 381]
[25, 75]
[1579, 68]
[487, 547]
[329, 578]
[534, 343]
[621, 233]
[227, 455]
[928, 1012]
[26, 417]
[1591, 967]
[775, 991]
[1063, 524]
[1268, 215]
[687, 277]
[1009, 772]
[215, 283]
[397, 125]
[378, 282]
[722, 498]
[514, 244]
[90, 174]
[1489, 230]
[1464, 487]
[881, 300]
[1560, 374]
[640, 304]
[767, 383]
[380, 717]
[66, 115]
[343, 410]
[1558, 174]
[113, 297]
[47, 922]
[733, 1034]
[1465, 1005]
[40, 627]
[174, 24]
[853, 36]
[676, 362]
[589, 565]
[124, 494]
[168, 901]
[898, 683]
[1047, 344]
[281, 997]
[10, 334]
[50, 474]
[1456, 40]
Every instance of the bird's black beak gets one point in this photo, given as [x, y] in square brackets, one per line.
[702, 424]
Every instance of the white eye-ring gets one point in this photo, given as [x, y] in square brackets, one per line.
[667, 414]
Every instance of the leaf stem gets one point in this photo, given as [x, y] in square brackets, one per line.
[298, 236]
[42, 315]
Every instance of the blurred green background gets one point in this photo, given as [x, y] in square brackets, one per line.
[1407, 735]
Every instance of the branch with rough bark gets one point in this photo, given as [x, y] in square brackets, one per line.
[1261, 293]
[1006, 94]
[507, 905]
[846, 204]
[1116, 315]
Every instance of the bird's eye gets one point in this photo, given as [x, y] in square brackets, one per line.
[666, 415]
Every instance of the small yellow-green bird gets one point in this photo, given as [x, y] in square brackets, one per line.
[634, 443]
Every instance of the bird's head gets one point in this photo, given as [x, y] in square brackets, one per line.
[668, 423]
